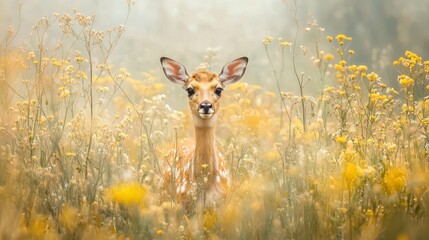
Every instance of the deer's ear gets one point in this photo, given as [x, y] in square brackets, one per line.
[233, 71]
[174, 71]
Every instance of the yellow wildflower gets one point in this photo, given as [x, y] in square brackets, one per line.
[329, 38]
[405, 80]
[372, 76]
[69, 68]
[70, 154]
[55, 63]
[340, 37]
[79, 59]
[352, 68]
[351, 173]
[128, 193]
[328, 89]
[351, 52]
[341, 139]
[126, 74]
[284, 44]
[267, 40]
[410, 61]
[338, 67]
[81, 75]
[328, 57]
[362, 68]
[374, 97]
[31, 55]
[395, 179]
[63, 92]
[121, 136]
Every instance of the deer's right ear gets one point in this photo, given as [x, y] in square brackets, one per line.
[174, 71]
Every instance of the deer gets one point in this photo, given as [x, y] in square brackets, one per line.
[198, 170]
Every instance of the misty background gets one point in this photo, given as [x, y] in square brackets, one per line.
[183, 30]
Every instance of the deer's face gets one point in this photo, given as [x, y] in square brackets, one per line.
[204, 88]
[204, 91]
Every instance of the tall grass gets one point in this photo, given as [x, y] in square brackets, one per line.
[83, 145]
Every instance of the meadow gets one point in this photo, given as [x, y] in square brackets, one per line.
[83, 143]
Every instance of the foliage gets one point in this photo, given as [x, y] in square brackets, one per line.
[82, 146]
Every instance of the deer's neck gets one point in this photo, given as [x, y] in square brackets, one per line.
[205, 157]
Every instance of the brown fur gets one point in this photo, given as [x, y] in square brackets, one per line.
[199, 162]
[197, 171]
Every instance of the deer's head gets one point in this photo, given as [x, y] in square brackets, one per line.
[204, 88]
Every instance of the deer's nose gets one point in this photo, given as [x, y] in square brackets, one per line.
[206, 106]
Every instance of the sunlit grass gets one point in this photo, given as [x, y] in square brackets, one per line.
[83, 146]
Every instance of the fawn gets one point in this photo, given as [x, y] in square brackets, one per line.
[197, 171]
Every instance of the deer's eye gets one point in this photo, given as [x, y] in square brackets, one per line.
[190, 91]
[218, 91]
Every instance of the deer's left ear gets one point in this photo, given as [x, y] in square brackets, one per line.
[233, 71]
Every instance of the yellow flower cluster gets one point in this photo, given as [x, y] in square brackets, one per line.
[63, 92]
[376, 97]
[342, 152]
[351, 174]
[405, 81]
[395, 180]
[362, 68]
[267, 40]
[372, 77]
[410, 61]
[341, 139]
[283, 44]
[340, 38]
[328, 57]
[128, 193]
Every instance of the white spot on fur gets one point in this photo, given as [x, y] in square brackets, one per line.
[200, 122]
[187, 167]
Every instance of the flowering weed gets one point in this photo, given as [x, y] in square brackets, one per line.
[82, 144]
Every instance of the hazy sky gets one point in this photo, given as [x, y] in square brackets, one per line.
[183, 30]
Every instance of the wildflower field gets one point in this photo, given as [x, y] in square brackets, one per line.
[83, 142]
